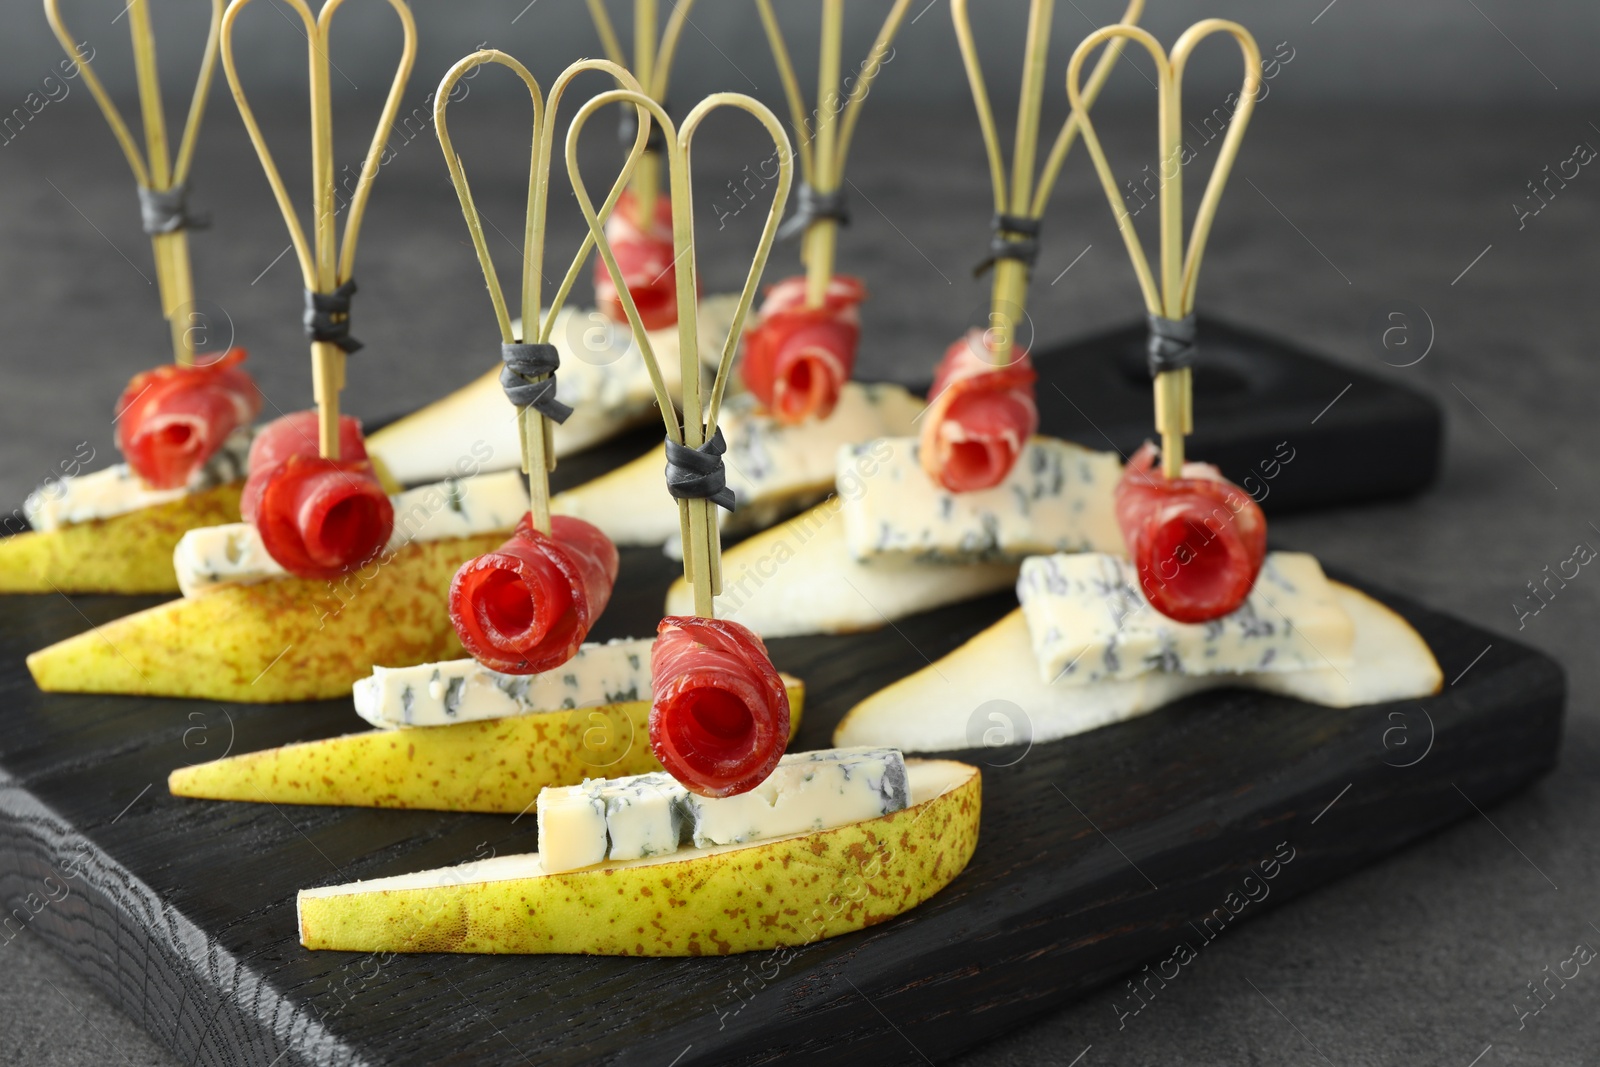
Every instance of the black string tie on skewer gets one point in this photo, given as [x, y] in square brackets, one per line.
[1015, 237]
[628, 129]
[698, 473]
[167, 211]
[527, 361]
[320, 322]
[1172, 344]
[812, 206]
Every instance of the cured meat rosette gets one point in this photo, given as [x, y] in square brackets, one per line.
[1198, 540]
[797, 358]
[645, 259]
[318, 517]
[979, 416]
[171, 419]
[719, 720]
[528, 605]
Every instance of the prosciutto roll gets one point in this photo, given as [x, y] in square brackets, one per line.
[528, 605]
[171, 419]
[645, 258]
[1198, 540]
[796, 359]
[318, 517]
[979, 416]
[719, 720]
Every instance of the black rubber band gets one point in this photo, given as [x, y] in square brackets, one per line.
[698, 473]
[527, 361]
[628, 129]
[1172, 344]
[167, 211]
[1023, 248]
[319, 317]
[812, 206]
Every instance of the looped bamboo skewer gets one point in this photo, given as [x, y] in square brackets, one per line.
[538, 448]
[702, 549]
[155, 170]
[326, 265]
[1173, 296]
[1019, 196]
[652, 67]
[822, 168]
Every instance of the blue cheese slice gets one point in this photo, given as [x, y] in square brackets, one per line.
[116, 490]
[1057, 498]
[653, 814]
[1089, 622]
[602, 376]
[211, 557]
[774, 469]
[437, 694]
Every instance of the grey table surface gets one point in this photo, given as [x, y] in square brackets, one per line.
[1335, 218]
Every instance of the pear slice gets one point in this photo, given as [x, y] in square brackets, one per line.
[774, 469]
[716, 901]
[491, 765]
[281, 640]
[128, 554]
[799, 578]
[988, 692]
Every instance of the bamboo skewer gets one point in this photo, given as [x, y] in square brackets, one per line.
[652, 68]
[702, 552]
[155, 170]
[325, 265]
[1019, 196]
[822, 165]
[1173, 296]
[538, 448]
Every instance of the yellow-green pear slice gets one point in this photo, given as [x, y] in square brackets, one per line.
[737, 898]
[492, 765]
[799, 578]
[988, 692]
[280, 640]
[126, 554]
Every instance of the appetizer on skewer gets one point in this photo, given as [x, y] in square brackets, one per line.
[920, 522]
[183, 428]
[1194, 602]
[535, 706]
[800, 404]
[329, 575]
[604, 379]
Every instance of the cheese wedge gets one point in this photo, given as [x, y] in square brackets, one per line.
[602, 376]
[799, 578]
[988, 692]
[492, 765]
[734, 898]
[774, 469]
[1057, 498]
[290, 639]
[127, 553]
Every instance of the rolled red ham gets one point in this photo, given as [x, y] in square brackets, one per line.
[719, 719]
[979, 416]
[319, 518]
[171, 419]
[1198, 540]
[797, 358]
[528, 605]
[646, 260]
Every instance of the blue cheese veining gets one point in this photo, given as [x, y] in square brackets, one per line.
[652, 814]
[232, 554]
[462, 690]
[116, 490]
[1057, 498]
[1089, 621]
